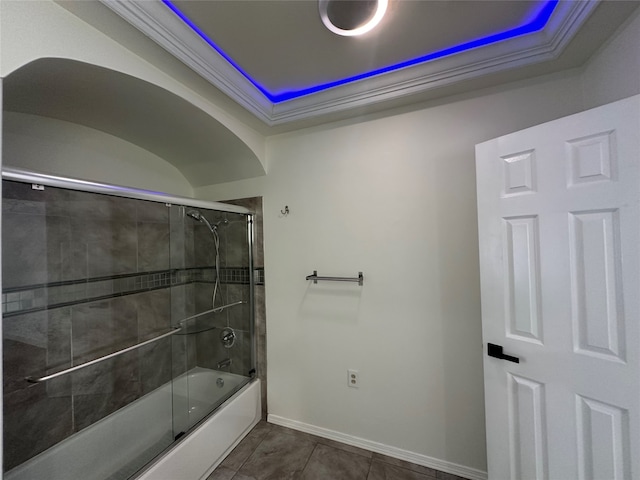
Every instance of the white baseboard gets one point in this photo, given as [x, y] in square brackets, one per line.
[419, 459]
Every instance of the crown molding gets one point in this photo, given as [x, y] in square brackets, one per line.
[160, 24]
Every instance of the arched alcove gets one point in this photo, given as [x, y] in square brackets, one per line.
[202, 149]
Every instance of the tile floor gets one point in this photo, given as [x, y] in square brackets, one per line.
[271, 452]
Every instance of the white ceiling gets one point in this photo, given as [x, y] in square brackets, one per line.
[283, 46]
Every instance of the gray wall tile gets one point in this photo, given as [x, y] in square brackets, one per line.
[209, 349]
[33, 422]
[36, 416]
[240, 315]
[153, 247]
[179, 363]
[155, 365]
[153, 313]
[203, 293]
[203, 246]
[152, 212]
[103, 388]
[100, 328]
[111, 246]
[182, 302]
[236, 243]
[240, 353]
[24, 250]
[35, 345]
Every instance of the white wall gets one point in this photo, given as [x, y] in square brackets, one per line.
[54, 146]
[393, 197]
[613, 73]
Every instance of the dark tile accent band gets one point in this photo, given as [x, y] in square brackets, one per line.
[34, 298]
[258, 276]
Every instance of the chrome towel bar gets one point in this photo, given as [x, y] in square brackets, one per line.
[359, 279]
[128, 349]
[102, 359]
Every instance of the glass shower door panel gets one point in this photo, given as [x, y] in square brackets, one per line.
[85, 275]
[237, 280]
[213, 306]
[182, 308]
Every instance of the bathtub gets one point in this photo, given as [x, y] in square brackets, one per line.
[145, 427]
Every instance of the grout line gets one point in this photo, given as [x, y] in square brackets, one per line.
[252, 451]
[370, 467]
[309, 458]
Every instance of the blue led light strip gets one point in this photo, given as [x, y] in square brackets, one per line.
[531, 26]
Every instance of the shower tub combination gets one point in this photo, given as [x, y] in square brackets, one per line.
[128, 331]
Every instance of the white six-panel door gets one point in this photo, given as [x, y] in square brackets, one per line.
[559, 228]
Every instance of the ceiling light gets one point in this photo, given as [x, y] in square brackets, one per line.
[351, 17]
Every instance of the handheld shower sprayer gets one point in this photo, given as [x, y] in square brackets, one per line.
[196, 215]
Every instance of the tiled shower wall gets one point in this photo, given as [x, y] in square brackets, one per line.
[87, 274]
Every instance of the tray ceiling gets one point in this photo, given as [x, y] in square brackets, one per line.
[276, 58]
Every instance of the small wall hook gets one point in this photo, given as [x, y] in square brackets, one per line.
[285, 212]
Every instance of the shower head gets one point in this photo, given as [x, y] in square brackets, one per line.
[196, 215]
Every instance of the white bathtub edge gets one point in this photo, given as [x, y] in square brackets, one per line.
[417, 458]
[196, 456]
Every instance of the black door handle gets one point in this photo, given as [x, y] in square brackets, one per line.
[496, 351]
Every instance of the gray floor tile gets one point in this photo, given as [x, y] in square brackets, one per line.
[296, 433]
[222, 473]
[345, 447]
[272, 452]
[278, 457]
[385, 471]
[448, 476]
[403, 464]
[261, 429]
[324, 441]
[239, 476]
[246, 447]
[241, 453]
[331, 463]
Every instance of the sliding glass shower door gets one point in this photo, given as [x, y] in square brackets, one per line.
[84, 276]
[125, 323]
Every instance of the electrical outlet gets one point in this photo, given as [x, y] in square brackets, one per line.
[353, 378]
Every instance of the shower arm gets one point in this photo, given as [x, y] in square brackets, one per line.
[102, 359]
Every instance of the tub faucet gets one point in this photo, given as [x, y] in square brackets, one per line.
[224, 363]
